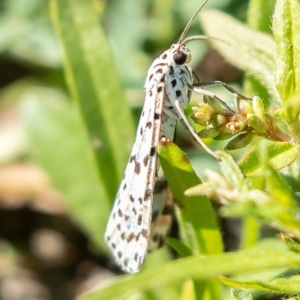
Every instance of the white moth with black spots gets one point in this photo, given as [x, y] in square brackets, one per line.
[167, 87]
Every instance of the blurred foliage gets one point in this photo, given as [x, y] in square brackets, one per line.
[71, 92]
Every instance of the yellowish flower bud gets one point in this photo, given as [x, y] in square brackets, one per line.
[257, 123]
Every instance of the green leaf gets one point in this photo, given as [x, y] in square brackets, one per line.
[280, 155]
[182, 249]
[258, 15]
[286, 29]
[238, 294]
[197, 221]
[93, 83]
[291, 244]
[195, 267]
[278, 187]
[245, 48]
[231, 170]
[240, 141]
[196, 216]
[57, 141]
[289, 286]
[290, 114]
[292, 111]
[267, 210]
[16, 21]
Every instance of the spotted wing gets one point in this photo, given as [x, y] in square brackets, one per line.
[129, 224]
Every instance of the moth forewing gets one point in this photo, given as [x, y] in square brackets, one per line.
[129, 224]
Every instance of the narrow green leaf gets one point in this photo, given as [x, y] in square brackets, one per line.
[199, 226]
[286, 29]
[196, 217]
[250, 233]
[240, 141]
[280, 155]
[93, 83]
[57, 141]
[195, 267]
[188, 291]
[182, 249]
[245, 48]
[290, 286]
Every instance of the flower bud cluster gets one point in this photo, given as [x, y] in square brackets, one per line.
[221, 122]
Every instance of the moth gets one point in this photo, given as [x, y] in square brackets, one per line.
[168, 90]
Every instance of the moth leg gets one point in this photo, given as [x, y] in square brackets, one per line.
[191, 129]
[226, 86]
[202, 91]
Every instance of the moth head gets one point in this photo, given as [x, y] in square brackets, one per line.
[182, 55]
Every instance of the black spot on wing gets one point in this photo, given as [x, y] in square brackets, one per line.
[145, 160]
[160, 65]
[137, 168]
[148, 195]
[130, 237]
[152, 151]
[140, 218]
[156, 116]
[178, 93]
[144, 233]
[125, 262]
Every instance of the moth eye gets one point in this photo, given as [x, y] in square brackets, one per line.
[179, 58]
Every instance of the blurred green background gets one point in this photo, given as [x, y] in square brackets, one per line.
[54, 201]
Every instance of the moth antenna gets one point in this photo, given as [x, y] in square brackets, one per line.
[190, 22]
[203, 37]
